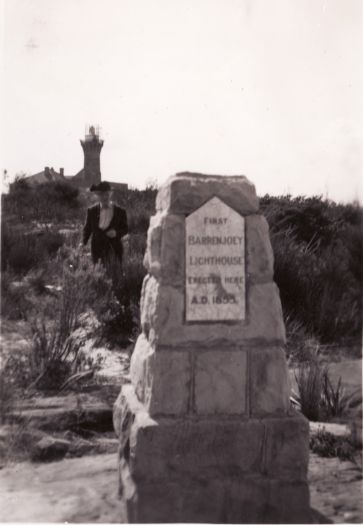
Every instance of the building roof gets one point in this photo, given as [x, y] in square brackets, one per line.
[47, 175]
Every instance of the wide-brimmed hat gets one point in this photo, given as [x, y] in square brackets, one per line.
[101, 186]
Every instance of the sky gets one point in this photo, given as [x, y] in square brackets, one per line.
[270, 89]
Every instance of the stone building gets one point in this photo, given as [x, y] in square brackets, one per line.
[90, 173]
[46, 175]
[92, 146]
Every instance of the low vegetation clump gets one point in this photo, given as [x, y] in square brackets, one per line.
[55, 351]
[319, 399]
[140, 205]
[50, 201]
[309, 382]
[318, 249]
[328, 445]
[24, 251]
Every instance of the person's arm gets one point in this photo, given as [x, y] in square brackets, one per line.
[87, 229]
[122, 226]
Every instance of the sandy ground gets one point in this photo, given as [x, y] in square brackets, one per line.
[336, 489]
[74, 490]
[85, 490]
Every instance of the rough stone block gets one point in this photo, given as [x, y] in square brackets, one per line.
[163, 318]
[289, 503]
[287, 447]
[165, 249]
[49, 449]
[125, 409]
[185, 192]
[269, 381]
[247, 500]
[162, 379]
[139, 373]
[150, 315]
[221, 382]
[155, 503]
[262, 500]
[153, 245]
[259, 254]
[172, 448]
[265, 312]
[203, 502]
[182, 502]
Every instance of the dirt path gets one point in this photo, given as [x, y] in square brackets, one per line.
[336, 489]
[75, 490]
[85, 490]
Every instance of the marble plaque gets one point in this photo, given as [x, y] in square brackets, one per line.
[215, 263]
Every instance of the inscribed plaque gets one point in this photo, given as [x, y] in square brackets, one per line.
[215, 263]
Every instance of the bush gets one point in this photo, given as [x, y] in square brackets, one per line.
[48, 201]
[83, 286]
[318, 264]
[140, 205]
[55, 353]
[328, 445]
[318, 398]
[317, 246]
[23, 251]
[23, 254]
[334, 400]
[309, 381]
[14, 303]
[123, 318]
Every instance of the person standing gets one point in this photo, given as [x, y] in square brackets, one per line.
[106, 223]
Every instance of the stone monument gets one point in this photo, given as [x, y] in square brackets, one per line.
[205, 426]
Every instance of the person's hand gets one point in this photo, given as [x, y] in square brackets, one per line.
[111, 234]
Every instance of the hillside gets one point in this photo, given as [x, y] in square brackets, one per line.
[317, 245]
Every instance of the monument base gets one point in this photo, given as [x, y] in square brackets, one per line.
[222, 470]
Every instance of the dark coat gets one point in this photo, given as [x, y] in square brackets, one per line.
[102, 247]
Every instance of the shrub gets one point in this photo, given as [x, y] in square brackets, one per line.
[14, 301]
[140, 205]
[317, 245]
[318, 264]
[83, 286]
[22, 251]
[308, 378]
[334, 400]
[328, 445]
[48, 201]
[24, 254]
[318, 398]
[36, 280]
[55, 354]
[123, 316]
[50, 241]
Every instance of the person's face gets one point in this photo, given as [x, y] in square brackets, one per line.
[103, 197]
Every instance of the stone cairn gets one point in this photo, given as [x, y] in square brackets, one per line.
[205, 425]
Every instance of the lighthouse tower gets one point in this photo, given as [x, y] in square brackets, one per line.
[91, 146]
